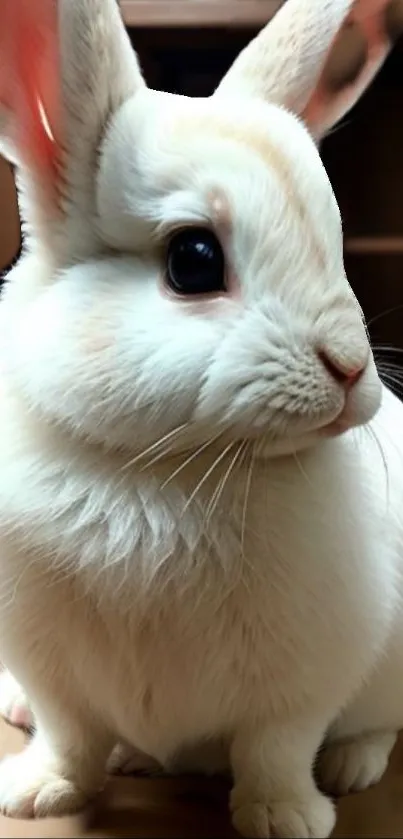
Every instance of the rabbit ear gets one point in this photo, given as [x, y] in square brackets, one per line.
[316, 57]
[67, 66]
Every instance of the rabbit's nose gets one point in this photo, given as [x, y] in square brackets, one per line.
[346, 376]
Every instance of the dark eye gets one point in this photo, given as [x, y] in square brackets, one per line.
[195, 263]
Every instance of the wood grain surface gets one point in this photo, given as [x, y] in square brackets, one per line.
[197, 13]
[9, 217]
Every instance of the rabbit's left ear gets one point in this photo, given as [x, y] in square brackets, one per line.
[66, 67]
[316, 57]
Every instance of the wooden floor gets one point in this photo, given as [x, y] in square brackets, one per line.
[195, 809]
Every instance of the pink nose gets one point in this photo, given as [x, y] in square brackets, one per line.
[342, 375]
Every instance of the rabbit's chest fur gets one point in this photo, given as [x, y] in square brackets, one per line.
[173, 626]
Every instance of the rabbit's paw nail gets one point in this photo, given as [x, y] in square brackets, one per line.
[127, 760]
[312, 819]
[355, 764]
[14, 706]
[29, 789]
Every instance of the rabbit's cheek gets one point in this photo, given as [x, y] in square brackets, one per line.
[96, 337]
[95, 342]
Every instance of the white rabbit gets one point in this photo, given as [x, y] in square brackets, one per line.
[201, 536]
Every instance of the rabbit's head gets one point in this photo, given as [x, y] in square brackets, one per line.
[183, 270]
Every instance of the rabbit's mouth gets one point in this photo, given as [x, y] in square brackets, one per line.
[295, 434]
[338, 426]
[344, 422]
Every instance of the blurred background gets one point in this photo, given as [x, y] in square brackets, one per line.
[185, 46]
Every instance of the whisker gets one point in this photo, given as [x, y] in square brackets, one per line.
[384, 314]
[224, 479]
[219, 488]
[207, 474]
[302, 470]
[397, 375]
[386, 364]
[167, 437]
[390, 366]
[338, 127]
[372, 433]
[387, 348]
[392, 381]
[246, 499]
[394, 369]
[390, 371]
[161, 455]
[191, 457]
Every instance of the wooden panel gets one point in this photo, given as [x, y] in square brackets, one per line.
[189, 62]
[377, 282]
[376, 244]
[9, 217]
[364, 159]
[197, 13]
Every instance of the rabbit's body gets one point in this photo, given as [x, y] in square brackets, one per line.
[200, 542]
[205, 634]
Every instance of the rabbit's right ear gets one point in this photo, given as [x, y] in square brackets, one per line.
[69, 66]
[316, 57]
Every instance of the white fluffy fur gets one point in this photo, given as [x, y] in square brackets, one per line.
[192, 564]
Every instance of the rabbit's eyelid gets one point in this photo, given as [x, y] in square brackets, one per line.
[218, 219]
[190, 208]
[166, 229]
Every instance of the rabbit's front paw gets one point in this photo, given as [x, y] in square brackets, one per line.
[291, 819]
[354, 765]
[14, 707]
[30, 788]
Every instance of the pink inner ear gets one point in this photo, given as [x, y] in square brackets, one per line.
[327, 106]
[29, 79]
